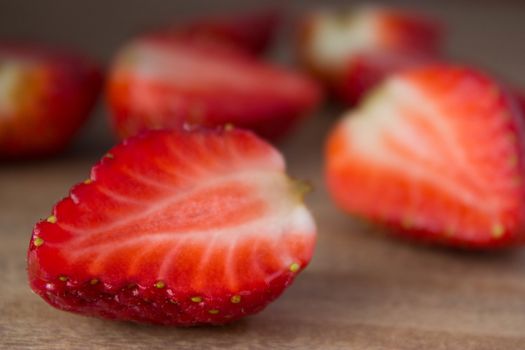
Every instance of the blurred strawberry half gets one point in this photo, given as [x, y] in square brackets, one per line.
[160, 81]
[355, 50]
[45, 96]
[437, 153]
[177, 228]
[250, 32]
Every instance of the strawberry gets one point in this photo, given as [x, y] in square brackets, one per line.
[160, 82]
[175, 227]
[250, 32]
[45, 96]
[352, 52]
[436, 153]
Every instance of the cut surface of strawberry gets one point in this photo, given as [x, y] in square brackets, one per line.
[354, 50]
[250, 32]
[159, 83]
[437, 153]
[45, 96]
[177, 228]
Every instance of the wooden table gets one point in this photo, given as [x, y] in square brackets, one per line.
[363, 290]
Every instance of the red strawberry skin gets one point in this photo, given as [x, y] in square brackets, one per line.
[437, 154]
[355, 51]
[251, 32]
[45, 96]
[175, 227]
[160, 82]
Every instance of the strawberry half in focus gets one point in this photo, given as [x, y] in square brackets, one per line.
[249, 32]
[355, 50]
[162, 82]
[437, 153]
[45, 96]
[177, 228]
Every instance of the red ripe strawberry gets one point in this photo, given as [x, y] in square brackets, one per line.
[437, 153]
[177, 228]
[45, 96]
[250, 32]
[159, 82]
[352, 52]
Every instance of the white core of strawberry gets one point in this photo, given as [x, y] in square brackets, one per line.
[184, 66]
[338, 37]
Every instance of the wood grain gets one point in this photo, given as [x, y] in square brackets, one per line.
[363, 289]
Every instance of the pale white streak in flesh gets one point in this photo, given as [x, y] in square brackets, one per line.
[172, 198]
[368, 139]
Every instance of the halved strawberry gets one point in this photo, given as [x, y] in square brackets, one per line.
[353, 51]
[45, 96]
[175, 227]
[159, 82]
[251, 32]
[436, 152]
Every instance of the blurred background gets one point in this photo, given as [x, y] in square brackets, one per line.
[487, 33]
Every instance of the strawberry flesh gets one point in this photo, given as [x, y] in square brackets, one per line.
[175, 227]
[160, 82]
[437, 153]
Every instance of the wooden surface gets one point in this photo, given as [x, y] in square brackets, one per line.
[363, 290]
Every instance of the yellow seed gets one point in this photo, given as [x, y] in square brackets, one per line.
[236, 299]
[449, 231]
[88, 181]
[160, 284]
[228, 127]
[37, 241]
[497, 230]
[295, 267]
[511, 138]
[109, 155]
[52, 219]
[173, 301]
[406, 223]
[93, 281]
[513, 161]
[196, 299]
[213, 311]
[63, 278]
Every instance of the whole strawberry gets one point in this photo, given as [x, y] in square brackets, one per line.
[436, 153]
[161, 81]
[45, 96]
[175, 227]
